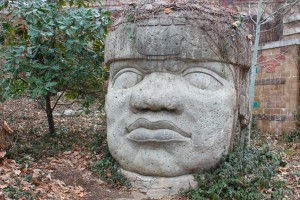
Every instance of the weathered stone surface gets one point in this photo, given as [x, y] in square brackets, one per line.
[157, 187]
[170, 117]
[57, 114]
[69, 113]
[173, 98]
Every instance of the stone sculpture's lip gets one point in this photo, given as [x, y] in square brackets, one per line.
[143, 130]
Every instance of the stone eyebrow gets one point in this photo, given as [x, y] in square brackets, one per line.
[144, 67]
[115, 68]
[178, 66]
[221, 72]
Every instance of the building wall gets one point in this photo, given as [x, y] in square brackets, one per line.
[277, 89]
[276, 99]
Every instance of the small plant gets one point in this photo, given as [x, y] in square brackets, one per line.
[17, 192]
[243, 174]
[293, 137]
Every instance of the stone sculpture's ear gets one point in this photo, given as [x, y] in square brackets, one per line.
[244, 97]
[243, 107]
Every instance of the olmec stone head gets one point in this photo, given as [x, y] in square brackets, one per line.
[178, 82]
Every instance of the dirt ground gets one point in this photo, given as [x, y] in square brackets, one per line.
[35, 167]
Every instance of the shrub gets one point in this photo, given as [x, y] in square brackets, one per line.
[243, 174]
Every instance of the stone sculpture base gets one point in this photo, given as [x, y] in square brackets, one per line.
[159, 187]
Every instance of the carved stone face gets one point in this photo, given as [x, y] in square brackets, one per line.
[169, 117]
[172, 98]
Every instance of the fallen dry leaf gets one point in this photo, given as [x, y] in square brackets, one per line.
[108, 174]
[67, 152]
[236, 24]
[17, 172]
[167, 10]
[2, 154]
[6, 129]
[81, 194]
[79, 189]
[2, 186]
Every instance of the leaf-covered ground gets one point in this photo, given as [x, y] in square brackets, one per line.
[34, 165]
[290, 173]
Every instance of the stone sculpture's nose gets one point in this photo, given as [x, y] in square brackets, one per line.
[158, 92]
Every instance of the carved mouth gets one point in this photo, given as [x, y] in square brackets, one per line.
[142, 130]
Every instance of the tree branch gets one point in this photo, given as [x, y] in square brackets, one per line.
[276, 11]
[249, 13]
[12, 112]
[68, 104]
[82, 92]
[55, 104]
[43, 107]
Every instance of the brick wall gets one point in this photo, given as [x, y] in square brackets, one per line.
[277, 89]
[277, 98]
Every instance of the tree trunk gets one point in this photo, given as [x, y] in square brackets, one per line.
[253, 67]
[50, 115]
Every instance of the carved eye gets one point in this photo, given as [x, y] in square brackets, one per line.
[126, 79]
[203, 81]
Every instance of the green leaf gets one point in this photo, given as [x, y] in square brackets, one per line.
[51, 90]
[51, 84]
[47, 34]
[39, 66]
[62, 27]
[4, 4]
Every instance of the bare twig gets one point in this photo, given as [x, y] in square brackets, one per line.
[68, 104]
[55, 104]
[16, 110]
[42, 106]
[280, 8]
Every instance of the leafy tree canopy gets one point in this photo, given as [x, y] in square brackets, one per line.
[50, 47]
